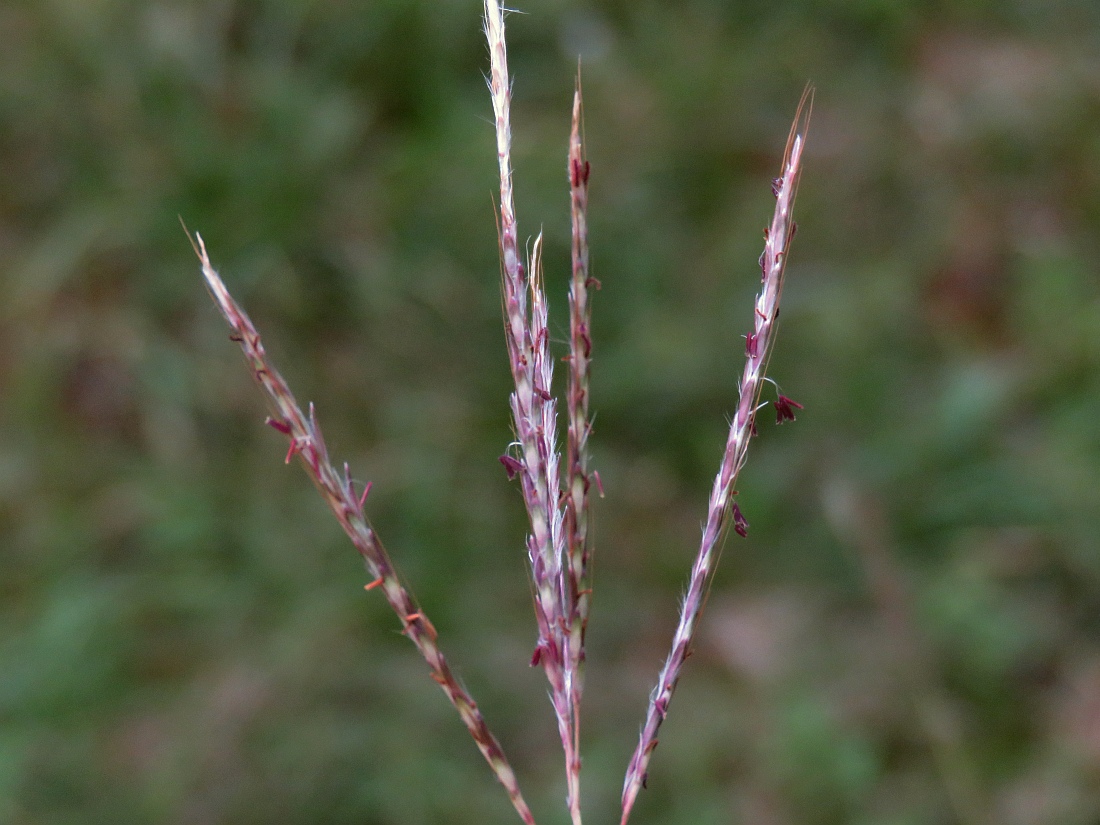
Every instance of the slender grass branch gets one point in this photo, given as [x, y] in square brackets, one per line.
[346, 503]
[723, 511]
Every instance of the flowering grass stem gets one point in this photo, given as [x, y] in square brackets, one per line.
[578, 478]
[534, 416]
[558, 545]
[722, 509]
[339, 493]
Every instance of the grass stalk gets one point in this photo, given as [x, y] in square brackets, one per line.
[579, 478]
[723, 511]
[307, 443]
[558, 544]
[534, 415]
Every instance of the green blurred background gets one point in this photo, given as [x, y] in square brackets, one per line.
[911, 633]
